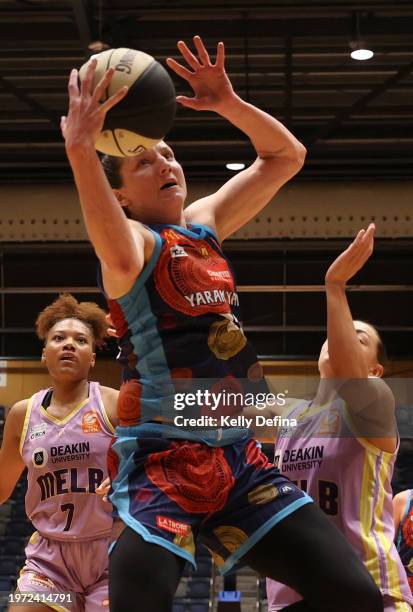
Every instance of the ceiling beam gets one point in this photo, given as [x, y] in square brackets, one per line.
[83, 22]
[23, 97]
[326, 130]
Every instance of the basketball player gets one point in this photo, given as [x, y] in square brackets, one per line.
[62, 435]
[173, 301]
[403, 524]
[343, 452]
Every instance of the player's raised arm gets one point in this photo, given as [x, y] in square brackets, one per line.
[399, 506]
[11, 462]
[279, 154]
[120, 251]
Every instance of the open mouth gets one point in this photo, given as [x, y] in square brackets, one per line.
[68, 358]
[169, 184]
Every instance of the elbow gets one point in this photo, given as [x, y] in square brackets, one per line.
[301, 153]
[289, 160]
[296, 156]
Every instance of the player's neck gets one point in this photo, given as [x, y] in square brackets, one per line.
[69, 394]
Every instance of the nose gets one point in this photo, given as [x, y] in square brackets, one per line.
[69, 344]
[163, 164]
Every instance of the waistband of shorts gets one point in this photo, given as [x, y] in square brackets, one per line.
[213, 437]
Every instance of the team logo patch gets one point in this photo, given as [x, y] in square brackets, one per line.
[178, 251]
[284, 489]
[163, 522]
[39, 457]
[90, 422]
[37, 431]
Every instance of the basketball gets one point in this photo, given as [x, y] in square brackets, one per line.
[145, 115]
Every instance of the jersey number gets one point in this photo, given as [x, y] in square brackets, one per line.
[328, 498]
[69, 508]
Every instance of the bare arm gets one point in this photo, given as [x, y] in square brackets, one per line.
[399, 504]
[369, 400]
[344, 349]
[279, 154]
[11, 462]
[120, 252]
[110, 400]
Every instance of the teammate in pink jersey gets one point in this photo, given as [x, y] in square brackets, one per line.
[62, 435]
[342, 452]
[403, 524]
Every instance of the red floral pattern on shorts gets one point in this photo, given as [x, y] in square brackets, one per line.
[196, 477]
[254, 456]
[112, 461]
[408, 529]
[129, 403]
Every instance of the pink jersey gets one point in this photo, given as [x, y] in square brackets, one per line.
[350, 480]
[66, 461]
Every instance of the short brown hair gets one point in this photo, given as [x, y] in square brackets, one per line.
[381, 352]
[111, 168]
[67, 307]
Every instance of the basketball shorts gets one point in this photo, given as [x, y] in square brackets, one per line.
[173, 492]
[79, 568]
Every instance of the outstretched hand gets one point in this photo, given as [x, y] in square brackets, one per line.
[211, 85]
[352, 259]
[104, 488]
[86, 116]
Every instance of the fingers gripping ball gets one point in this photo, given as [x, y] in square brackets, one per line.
[145, 115]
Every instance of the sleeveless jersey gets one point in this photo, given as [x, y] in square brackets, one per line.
[350, 480]
[66, 461]
[181, 320]
[405, 539]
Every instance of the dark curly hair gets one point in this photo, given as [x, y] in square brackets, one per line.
[67, 307]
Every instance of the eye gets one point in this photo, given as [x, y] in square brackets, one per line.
[82, 340]
[58, 337]
[143, 162]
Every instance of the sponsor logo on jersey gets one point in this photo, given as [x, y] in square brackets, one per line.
[37, 431]
[90, 422]
[216, 296]
[284, 489]
[163, 522]
[178, 251]
[69, 480]
[39, 457]
[70, 452]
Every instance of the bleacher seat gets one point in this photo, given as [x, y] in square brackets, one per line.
[18, 512]
[182, 588]
[21, 528]
[199, 606]
[179, 607]
[13, 546]
[5, 510]
[5, 584]
[203, 569]
[198, 588]
[9, 566]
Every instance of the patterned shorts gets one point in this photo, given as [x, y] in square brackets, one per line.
[173, 491]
